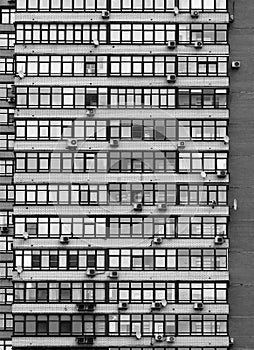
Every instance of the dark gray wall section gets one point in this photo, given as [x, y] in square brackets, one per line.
[241, 227]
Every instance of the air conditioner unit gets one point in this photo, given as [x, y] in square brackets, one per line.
[123, 306]
[90, 272]
[226, 140]
[89, 340]
[157, 240]
[181, 145]
[218, 240]
[194, 14]
[96, 42]
[172, 44]
[86, 307]
[162, 206]
[171, 78]
[105, 14]
[4, 229]
[80, 307]
[198, 44]
[203, 174]
[19, 269]
[11, 99]
[90, 112]
[137, 206]
[158, 337]
[236, 64]
[114, 143]
[72, 144]
[198, 306]
[80, 340]
[157, 305]
[171, 339]
[21, 74]
[221, 173]
[138, 335]
[25, 235]
[64, 239]
[176, 11]
[231, 341]
[113, 274]
[213, 203]
[85, 340]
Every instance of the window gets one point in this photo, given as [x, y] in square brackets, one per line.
[123, 227]
[5, 322]
[110, 162]
[43, 33]
[5, 244]
[119, 194]
[6, 116]
[142, 33]
[203, 195]
[7, 15]
[6, 142]
[115, 292]
[115, 65]
[6, 193]
[85, 97]
[110, 194]
[202, 66]
[207, 130]
[6, 269]
[6, 167]
[5, 91]
[202, 292]
[123, 129]
[203, 5]
[5, 344]
[202, 98]
[206, 33]
[198, 162]
[6, 65]
[5, 218]
[119, 33]
[122, 5]
[120, 324]
[6, 297]
[123, 259]
[142, 65]
[7, 41]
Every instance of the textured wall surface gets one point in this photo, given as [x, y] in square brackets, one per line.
[241, 228]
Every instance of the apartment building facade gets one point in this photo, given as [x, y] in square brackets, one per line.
[7, 35]
[121, 179]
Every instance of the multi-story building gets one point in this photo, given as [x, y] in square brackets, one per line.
[7, 34]
[121, 180]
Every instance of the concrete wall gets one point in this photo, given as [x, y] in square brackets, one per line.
[241, 228]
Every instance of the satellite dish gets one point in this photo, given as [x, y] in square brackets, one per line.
[203, 174]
